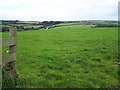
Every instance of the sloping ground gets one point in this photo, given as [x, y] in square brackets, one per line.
[68, 56]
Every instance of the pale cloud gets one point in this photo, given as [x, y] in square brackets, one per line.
[58, 9]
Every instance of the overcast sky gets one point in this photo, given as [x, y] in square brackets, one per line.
[40, 10]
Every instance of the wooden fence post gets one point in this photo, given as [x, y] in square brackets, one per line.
[12, 51]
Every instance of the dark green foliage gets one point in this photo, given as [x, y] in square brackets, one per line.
[5, 29]
[107, 25]
[8, 80]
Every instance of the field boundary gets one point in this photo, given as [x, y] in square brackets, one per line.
[10, 64]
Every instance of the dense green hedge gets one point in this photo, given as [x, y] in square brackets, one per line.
[107, 25]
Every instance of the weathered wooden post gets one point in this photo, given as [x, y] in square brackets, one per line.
[12, 50]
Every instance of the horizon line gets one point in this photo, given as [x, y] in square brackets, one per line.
[61, 20]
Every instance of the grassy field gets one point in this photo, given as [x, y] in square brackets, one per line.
[68, 56]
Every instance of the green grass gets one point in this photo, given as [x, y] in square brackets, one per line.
[67, 57]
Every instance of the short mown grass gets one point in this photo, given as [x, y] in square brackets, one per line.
[68, 57]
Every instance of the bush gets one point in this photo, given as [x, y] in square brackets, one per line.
[7, 79]
[5, 29]
[107, 25]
